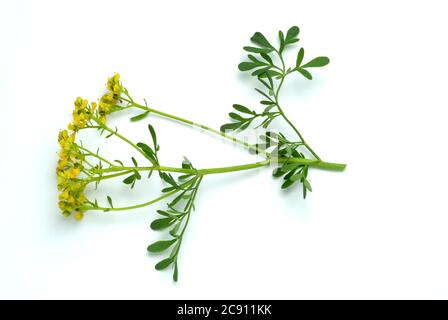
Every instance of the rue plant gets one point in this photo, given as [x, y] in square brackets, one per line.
[292, 156]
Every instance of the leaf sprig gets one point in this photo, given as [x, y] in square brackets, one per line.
[271, 74]
[175, 218]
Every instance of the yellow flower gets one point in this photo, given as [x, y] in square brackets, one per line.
[81, 114]
[113, 84]
[73, 173]
[79, 215]
[63, 137]
[110, 99]
[62, 163]
[106, 103]
[64, 195]
[70, 164]
[78, 102]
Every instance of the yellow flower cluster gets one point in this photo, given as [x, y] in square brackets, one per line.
[70, 164]
[110, 98]
[82, 114]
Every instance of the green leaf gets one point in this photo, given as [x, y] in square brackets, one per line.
[230, 126]
[266, 57]
[259, 39]
[270, 73]
[246, 66]
[245, 125]
[278, 172]
[289, 167]
[134, 161]
[118, 161]
[160, 224]
[271, 82]
[300, 55]
[150, 155]
[236, 116]
[174, 231]
[317, 62]
[163, 213]
[140, 116]
[291, 35]
[256, 61]
[160, 246]
[164, 264]
[242, 109]
[153, 135]
[257, 50]
[267, 122]
[260, 71]
[175, 272]
[305, 73]
[307, 185]
[168, 178]
[296, 177]
[281, 37]
[265, 83]
[287, 184]
[168, 189]
[268, 109]
[186, 164]
[289, 175]
[129, 180]
[263, 94]
[109, 199]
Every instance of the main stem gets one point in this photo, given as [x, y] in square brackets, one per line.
[301, 161]
[202, 172]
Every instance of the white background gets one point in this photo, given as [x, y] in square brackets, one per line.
[377, 230]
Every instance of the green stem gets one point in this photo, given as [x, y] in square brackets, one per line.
[141, 205]
[95, 155]
[156, 168]
[110, 176]
[310, 162]
[283, 114]
[119, 136]
[88, 163]
[175, 253]
[193, 124]
[191, 205]
[202, 172]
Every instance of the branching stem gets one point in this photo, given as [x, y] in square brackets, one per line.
[284, 74]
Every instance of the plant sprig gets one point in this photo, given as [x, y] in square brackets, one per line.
[79, 166]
